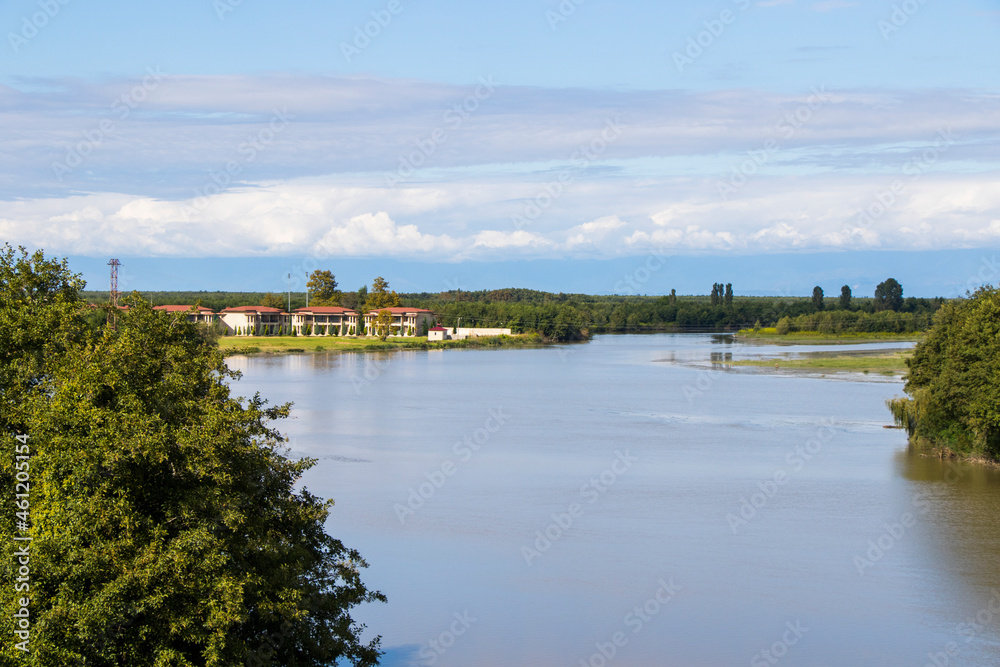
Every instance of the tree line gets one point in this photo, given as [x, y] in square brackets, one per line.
[564, 317]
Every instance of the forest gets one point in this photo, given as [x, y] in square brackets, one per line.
[564, 317]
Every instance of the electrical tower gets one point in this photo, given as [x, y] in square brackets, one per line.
[114, 264]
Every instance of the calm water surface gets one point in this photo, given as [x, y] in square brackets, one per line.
[626, 498]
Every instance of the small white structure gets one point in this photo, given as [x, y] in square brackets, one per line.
[461, 333]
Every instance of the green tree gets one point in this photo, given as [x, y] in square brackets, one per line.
[323, 289]
[381, 297]
[889, 295]
[167, 526]
[784, 326]
[845, 297]
[954, 379]
[673, 297]
[817, 298]
[383, 323]
[271, 300]
[729, 295]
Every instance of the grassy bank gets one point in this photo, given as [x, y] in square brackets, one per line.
[770, 335]
[887, 364]
[309, 344]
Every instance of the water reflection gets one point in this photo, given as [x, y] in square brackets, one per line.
[385, 425]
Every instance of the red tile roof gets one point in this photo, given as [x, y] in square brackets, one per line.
[324, 310]
[437, 329]
[252, 309]
[401, 311]
[183, 309]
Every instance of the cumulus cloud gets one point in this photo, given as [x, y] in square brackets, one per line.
[192, 172]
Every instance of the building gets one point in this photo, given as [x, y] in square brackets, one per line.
[461, 333]
[196, 314]
[256, 319]
[325, 321]
[405, 321]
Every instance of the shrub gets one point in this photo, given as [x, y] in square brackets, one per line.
[784, 326]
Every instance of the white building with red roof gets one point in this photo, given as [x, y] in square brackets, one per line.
[254, 319]
[325, 321]
[405, 321]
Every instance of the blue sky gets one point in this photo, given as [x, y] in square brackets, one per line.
[219, 136]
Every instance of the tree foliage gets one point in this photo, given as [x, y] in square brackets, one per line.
[845, 297]
[383, 323]
[889, 295]
[167, 526]
[323, 289]
[954, 379]
[271, 300]
[817, 298]
[380, 296]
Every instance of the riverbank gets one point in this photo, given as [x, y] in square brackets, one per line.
[771, 336]
[893, 363]
[231, 345]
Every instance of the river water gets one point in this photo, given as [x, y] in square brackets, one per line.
[627, 502]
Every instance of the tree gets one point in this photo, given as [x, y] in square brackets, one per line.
[954, 379]
[716, 294]
[729, 295]
[323, 290]
[271, 300]
[817, 299]
[380, 296]
[167, 527]
[784, 326]
[383, 323]
[845, 297]
[889, 295]
[673, 297]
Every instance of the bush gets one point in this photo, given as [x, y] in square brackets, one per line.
[784, 326]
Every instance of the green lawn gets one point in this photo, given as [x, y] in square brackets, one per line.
[886, 364]
[769, 335]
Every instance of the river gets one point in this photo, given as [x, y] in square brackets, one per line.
[626, 502]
